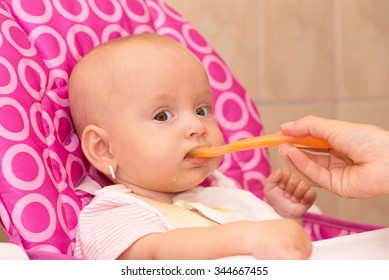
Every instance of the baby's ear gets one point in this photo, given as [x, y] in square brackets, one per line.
[97, 148]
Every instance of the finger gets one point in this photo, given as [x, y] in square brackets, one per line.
[290, 164]
[309, 125]
[320, 156]
[273, 180]
[291, 183]
[309, 197]
[308, 166]
[299, 192]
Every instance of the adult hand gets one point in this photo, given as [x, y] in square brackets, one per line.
[357, 165]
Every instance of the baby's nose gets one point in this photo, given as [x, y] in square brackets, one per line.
[196, 127]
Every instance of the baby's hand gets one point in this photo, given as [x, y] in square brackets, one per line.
[288, 194]
[278, 239]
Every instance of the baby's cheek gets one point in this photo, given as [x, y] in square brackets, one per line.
[214, 163]
[220, 139]
[216, 134]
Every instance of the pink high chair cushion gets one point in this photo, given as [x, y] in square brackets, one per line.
[41, 158]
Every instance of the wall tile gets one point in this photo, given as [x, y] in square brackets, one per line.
[298, 49]
[364, 57]
[371, 111]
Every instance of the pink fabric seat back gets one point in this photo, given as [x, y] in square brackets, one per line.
[41, 158]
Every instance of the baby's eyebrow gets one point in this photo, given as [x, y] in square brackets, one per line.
[158, 99]
[205, 94]
[162, 94]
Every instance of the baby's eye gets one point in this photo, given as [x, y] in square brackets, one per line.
[203, 111]
[163, 116]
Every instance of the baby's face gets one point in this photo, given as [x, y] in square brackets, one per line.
[157, 120]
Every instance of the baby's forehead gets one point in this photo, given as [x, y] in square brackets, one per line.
[116, 61]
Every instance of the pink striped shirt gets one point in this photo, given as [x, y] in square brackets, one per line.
[109, 225]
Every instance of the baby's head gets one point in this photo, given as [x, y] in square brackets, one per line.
[140, 104]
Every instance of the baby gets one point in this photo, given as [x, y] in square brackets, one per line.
[140, 104]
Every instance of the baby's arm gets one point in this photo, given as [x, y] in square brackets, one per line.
[288, 194]
[275, 239]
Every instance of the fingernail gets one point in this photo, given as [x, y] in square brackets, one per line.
[287, 125]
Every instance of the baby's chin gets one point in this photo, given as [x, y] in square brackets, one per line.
[181, 183]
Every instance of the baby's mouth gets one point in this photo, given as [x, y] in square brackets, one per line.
[195, 161]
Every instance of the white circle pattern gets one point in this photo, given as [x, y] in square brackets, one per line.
[35, 110]
[220, 106]
[161, 17]
[60, 58]
[64, 199]
[187, 30]
[110, 29]
[23, 64]
[21, 205]
[220, 85]
[134, 16]
[71, 38]
[69, 167]
[143, 28]
[9, 174]
[12, 84]
[83, 15]
[11, 135]
[21, 13]
[172, 33]
[6, 28]
[117, 14]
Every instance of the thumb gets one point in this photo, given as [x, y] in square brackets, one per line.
[309, 125]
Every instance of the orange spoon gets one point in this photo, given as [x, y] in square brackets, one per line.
[271, 140]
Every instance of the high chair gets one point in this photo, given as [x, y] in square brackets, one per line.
[41, 158]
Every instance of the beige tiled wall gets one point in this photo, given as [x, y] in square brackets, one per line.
[297, 57]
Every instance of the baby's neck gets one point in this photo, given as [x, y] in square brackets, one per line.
[159, 196]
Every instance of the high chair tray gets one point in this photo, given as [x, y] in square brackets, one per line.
[371, 245]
